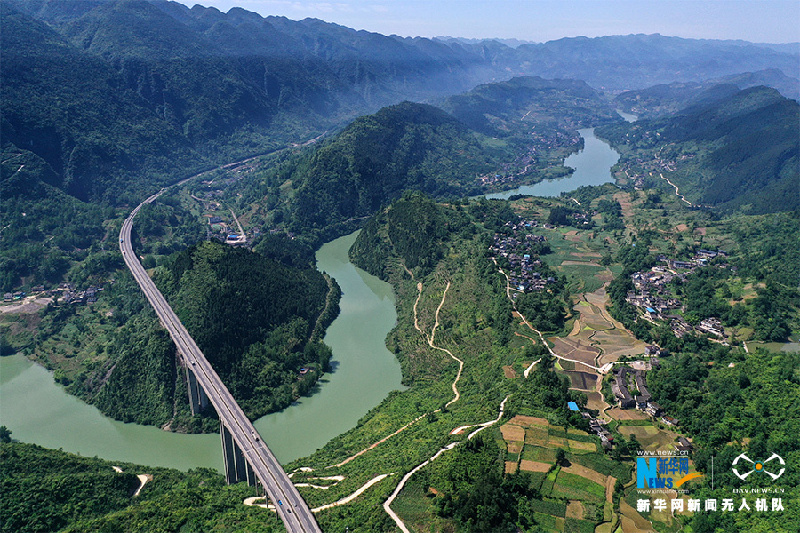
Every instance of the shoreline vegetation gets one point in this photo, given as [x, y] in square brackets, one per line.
[516, 320]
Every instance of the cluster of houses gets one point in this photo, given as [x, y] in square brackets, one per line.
[13, 296]
[653, 296]
[517, 248]
[65, 294]
[643, 400]
[523, 163]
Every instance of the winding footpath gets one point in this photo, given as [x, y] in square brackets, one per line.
[541, 337]
[387, 505]
[457, 395]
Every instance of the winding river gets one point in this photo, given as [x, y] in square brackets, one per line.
[364, 372]
[592, 167]
[38, 410]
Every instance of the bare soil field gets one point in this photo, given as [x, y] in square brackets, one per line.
[533, 466]
[632, 521]
[582, 380]
[512, 433]
[528, 421]
[626, 414]
[514, 446]
[574, 509]
[595, 401]
[584, 472]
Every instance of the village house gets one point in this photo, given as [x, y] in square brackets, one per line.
[712, 326]
[620, 388]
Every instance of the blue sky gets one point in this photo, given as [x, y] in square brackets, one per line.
[771, 21]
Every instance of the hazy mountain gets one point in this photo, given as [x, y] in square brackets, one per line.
[499, 109]
[737, 151]
[667, 99]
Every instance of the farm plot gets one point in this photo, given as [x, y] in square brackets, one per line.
[626, 414]
[595, 401]
[572, 486]
[650, 437]
[584, 381]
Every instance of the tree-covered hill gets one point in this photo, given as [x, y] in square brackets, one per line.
[496, 108]
[739, 151]
[49, 490]
[257, 321]
[377, 157]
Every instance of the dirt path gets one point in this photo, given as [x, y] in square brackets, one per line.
[29, 305]
[682, 197]
[530, 326]
[384, 439]
[143, 479]
[242, 236]
[416, 302]
[430, 341]
[457, 395]
[353, 496]
[388, 503]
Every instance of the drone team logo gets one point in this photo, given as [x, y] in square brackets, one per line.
[759, 467]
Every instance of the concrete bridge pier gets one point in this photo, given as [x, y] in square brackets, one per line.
[236, 466]
[198, 399]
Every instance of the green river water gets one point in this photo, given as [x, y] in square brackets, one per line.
[38, 410]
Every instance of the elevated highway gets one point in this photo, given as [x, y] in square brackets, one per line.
[247, 457]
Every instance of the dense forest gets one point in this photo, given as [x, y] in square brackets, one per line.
[48, 490]
[414, 229]
[733, 150]
[257, 321]
[377, 157]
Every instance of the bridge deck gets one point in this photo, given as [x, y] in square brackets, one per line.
[291, 507]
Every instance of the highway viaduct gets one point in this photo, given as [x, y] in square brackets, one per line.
[246, 456]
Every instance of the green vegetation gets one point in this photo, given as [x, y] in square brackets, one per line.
[414, 229]
[736, 153]
[47, 490]
[375, 159]
[476, 494]
[255, 320]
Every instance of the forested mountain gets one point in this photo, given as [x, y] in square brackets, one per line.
[257, 321]
[376, 158]
[69, 109]
[739, 151]
[145, 82]
[500, 109]
[666, 99]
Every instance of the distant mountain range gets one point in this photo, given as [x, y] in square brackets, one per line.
[666, 99]
[732, 149]
[113, 94]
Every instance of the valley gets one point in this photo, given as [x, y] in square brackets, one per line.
[456, 285]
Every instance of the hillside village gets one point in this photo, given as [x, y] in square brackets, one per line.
[521, 249]
[653, 294]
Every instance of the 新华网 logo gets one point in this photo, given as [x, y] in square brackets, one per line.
[758, 467]
[663, 472]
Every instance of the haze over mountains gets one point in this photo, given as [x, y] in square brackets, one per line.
[156, 81]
